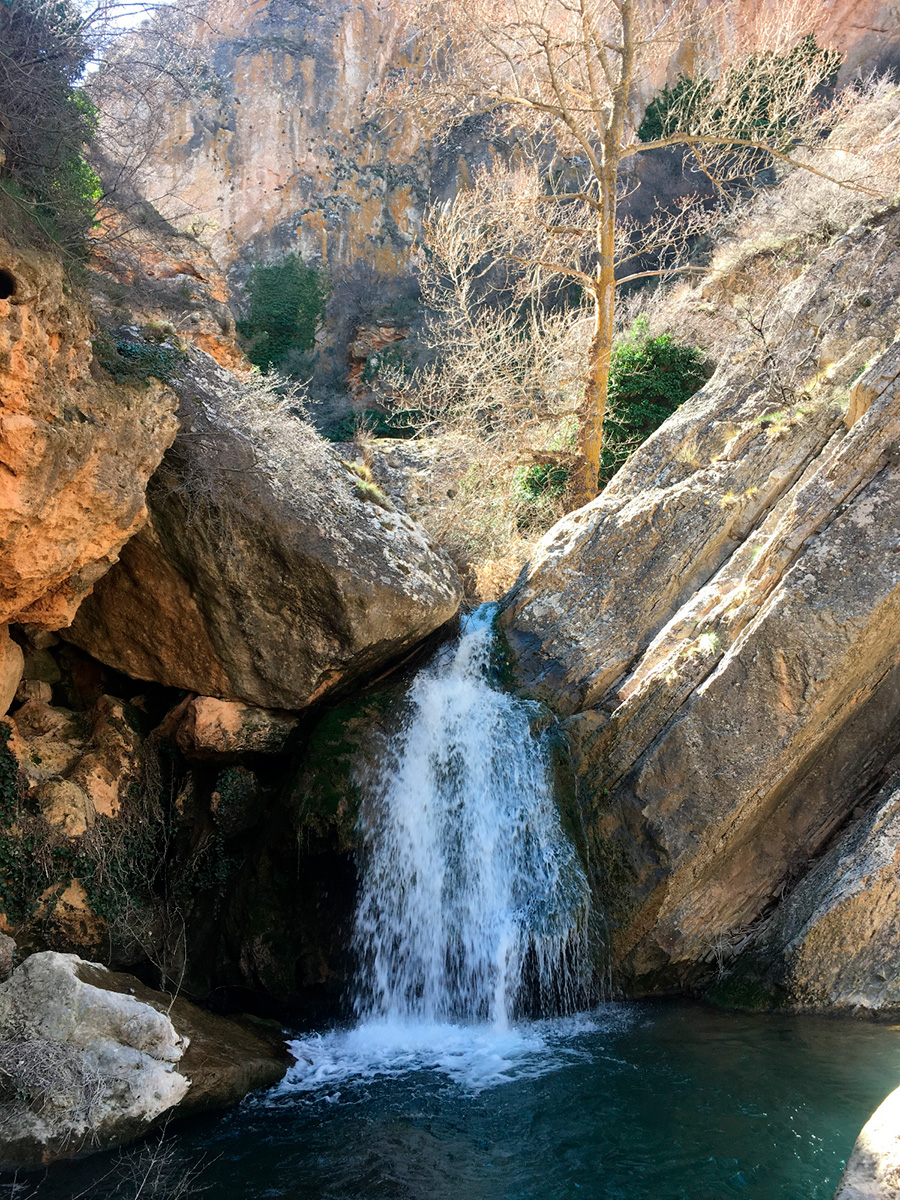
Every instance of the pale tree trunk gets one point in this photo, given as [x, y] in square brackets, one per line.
[596, 387]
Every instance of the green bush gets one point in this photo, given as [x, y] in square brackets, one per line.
[47, 120]
[287, 303]
[755, 88]
[400, 424]
[130, 361]
[536, 491]
[649, 378]
[542, 481]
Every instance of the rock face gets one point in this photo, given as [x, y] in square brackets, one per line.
[722, 629]
[832, 944]
[272, 574]
[76, 450]
[219, 729]
[91, 1059]
[278, 152]
[873, 1169]
[12, 663]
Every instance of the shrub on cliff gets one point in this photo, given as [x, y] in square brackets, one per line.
[287, 302]
[49, 191]
[649, 378]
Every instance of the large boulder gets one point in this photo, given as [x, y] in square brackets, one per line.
[76, 447]
[91, 1059]
[721, 628]
[873, 1168]
[272, 574]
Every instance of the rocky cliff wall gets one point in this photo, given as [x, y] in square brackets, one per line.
[722, 629]
[278, 152]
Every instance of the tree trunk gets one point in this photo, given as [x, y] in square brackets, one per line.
[593, 403]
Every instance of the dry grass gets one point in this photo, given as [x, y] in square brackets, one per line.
[42, 1075]
[773, 238]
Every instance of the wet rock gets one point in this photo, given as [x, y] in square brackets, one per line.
[97, 1058]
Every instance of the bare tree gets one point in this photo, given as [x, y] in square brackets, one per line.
[568, 71]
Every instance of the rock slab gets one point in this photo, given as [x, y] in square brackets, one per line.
[90, 1059]
[721, 631]
[272, 574]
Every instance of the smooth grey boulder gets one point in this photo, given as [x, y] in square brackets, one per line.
[270, 572]
[91, 1059]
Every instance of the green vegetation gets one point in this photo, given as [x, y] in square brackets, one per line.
[131, 361]
[537, 490]
[400, 424]
[649, 378]
[287, 303]
[48, 190]
[754, 89]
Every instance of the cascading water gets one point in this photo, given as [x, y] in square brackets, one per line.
[473, 906]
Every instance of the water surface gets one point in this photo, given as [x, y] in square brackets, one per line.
[663, 1102]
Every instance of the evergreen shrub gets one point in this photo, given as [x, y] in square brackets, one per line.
[48, 189]
[287, 303]
[649, 378]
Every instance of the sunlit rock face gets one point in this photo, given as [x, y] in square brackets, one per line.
[721, 629]
[278, 155]
[280, 151]
[76, 448]
[99, 1058]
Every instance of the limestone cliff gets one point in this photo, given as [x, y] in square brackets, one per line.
[722, 629]
[278, 151]
[76, 452]
[76, 448]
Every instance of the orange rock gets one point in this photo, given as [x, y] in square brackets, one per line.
[11, 663]
[76, 452]
[222, 727]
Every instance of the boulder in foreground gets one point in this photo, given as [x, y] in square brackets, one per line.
[91, 1059]
[873, 1169]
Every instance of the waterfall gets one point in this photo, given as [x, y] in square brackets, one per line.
[473, 905]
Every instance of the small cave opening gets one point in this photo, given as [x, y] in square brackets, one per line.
[7, 284]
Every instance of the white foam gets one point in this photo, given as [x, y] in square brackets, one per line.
[474, 1057]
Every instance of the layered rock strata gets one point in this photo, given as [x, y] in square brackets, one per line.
[832, 944]
[722, 628]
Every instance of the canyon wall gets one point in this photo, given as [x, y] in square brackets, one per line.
[278, 150]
